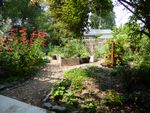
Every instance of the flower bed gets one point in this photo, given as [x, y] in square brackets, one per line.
[21, 52]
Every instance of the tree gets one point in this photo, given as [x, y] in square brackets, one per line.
[70, 15]
[73, 15]
[141, 11]
[23, 10]
[106, 21]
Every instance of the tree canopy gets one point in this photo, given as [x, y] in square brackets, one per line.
[99, 21]
[61, 18]
[74, 14]
[24, 10]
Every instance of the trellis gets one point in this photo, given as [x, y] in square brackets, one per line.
[111, 59]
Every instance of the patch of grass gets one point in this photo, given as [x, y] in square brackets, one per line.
[77, 77]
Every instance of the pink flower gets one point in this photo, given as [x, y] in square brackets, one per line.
[32, 39]
[35, 35]
[22, 31]
[23, 40]
[27, 41]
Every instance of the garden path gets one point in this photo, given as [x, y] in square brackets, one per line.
[34, 90]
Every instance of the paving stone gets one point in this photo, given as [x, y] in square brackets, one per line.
[9, 105]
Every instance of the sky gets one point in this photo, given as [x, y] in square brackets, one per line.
[122, 15]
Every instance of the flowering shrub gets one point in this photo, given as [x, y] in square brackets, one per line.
[21, 52]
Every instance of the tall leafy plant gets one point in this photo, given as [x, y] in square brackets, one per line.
[75, 48]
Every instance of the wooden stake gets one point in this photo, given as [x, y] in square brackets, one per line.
[113, 63]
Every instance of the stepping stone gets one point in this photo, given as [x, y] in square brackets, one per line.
[9, 105]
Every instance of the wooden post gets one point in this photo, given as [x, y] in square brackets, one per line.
[113, 63]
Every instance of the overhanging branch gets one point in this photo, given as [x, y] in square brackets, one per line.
[128, 3]
[126, 6]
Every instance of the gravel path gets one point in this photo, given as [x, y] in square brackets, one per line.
[34, 90]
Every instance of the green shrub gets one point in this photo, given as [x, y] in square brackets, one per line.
[136, 51]
[75, 48]
[56, 50]
[71, 49]
[100, 51]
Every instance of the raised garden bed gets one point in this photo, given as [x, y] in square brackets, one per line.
[84, 60]
[74, 61]
[69, 61]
